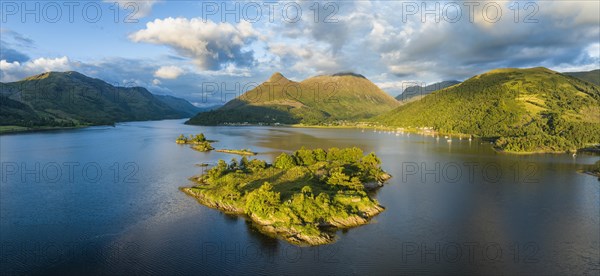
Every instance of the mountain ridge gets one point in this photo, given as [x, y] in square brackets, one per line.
[417, 91]
[522, 110]
[592, 76]
[315, 100]
[70, 98]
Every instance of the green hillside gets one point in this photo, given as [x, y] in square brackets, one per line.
[523, 110]
[416, 90]
[182, 106]
[589, 76]
[320, 99]
[68, 99]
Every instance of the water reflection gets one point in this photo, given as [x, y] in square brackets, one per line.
[442, 195]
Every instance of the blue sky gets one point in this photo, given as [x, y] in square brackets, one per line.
[178, 47]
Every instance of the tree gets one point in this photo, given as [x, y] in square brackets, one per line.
[323, 199]
[257, 165]
[233, 165]
[351, 155]
[263, 201]
[244, 163]
[320, 154]
[218, 170]
[181, 139]
[305, 157]
[284, 161]
[333, 154]
[337, 177]
[371, 160]
[307, 191]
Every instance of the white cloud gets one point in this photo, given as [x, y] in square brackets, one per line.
[594, 50]
[571, 14]
[210, 45]
[168, 72]
[13, 71]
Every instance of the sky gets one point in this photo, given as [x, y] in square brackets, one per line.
[188, 48]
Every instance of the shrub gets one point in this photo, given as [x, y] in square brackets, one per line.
[284, 161]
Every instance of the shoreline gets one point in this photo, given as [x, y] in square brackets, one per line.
[327, 236]
[41, 129]
[288, 209]
[22, 129]
[588, 149]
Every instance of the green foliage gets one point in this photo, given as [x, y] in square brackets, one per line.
[530, 109]
[203, 146]
[199, 138]
[217, 171]
[233, 165]
[371, 160]
[256, 165]
[337, 177]
[305, 157]
[301, 192]
[197, 141]
[320, 155]
[263, 201]
[284, 162]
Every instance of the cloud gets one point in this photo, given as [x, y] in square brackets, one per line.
[136, 9]
[12, 55]
[10, 41]
[432, 51]
[13, 71]
[309, 58]
[168, 72]
[211, 46]
[15, 38]
[369, 38]
[570, 15]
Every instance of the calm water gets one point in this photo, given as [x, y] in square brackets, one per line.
[105, 200]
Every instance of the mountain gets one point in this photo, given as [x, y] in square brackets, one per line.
[522, 110]
[589, 76]
[416, 91]
[73, 99]
[320, 99]
[183, 106]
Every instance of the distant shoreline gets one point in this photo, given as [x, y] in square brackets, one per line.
[19, 129]
[22, 129]
[588, 149]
